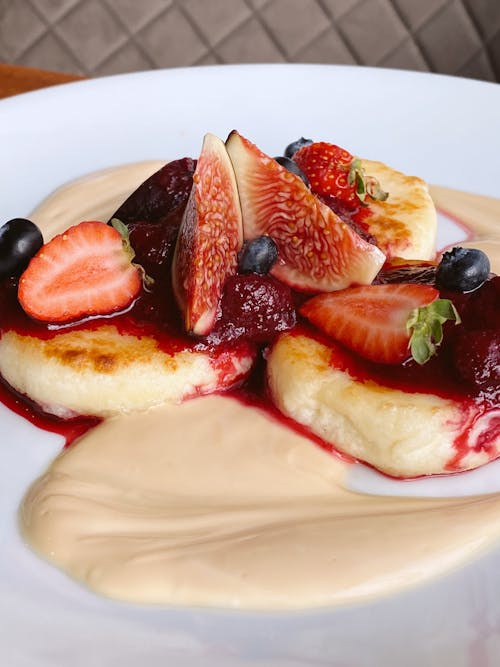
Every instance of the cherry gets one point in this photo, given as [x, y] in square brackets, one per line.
[160, 194]
[153, 245]
[253, 306]
[482, 309]
[476, 358]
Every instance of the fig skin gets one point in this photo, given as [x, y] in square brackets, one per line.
[209, 240]
[317, 251]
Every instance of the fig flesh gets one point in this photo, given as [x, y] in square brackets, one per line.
[317, 251]
[209, 239]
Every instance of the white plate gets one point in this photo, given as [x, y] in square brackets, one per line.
[441, 128]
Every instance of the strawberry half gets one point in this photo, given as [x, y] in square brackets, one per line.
[85, 271]
[380, 322]
[333, 171]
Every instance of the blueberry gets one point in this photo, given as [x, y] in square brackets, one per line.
[258, 255]
[293, 167]
[295, 145]
[20, 240]
[462, 269]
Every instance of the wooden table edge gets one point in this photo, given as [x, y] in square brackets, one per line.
[16, 79]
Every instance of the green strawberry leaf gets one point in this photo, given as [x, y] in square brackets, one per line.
[365, 185]
[122, 229]
[425, 326]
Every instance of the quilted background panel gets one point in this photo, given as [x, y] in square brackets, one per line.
[98, 37]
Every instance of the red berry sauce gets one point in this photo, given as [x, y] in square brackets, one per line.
[254, 310]
[70, 429]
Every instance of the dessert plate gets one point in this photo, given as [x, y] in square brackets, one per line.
[434, 126]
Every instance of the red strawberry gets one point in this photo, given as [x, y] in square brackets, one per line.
[377, 321]
[87, 270]
[317, 251]
[333, 171]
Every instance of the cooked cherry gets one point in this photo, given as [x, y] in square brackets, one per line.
[295, 145]
[482, 308]
[153, 244]
[161, 194]
[254, 307]
[293, 167]
[462, 269]
[258, 255]
[476, 358]
[20, 240]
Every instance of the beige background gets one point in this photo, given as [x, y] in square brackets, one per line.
[98, 37]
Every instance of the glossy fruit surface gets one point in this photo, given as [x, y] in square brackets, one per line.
[462, 269]
[371, 320]
[292, 148]
[154, 245]
[476, 356]
[160, 194]
[254, 307]
[20, 240]
[333, 171]
[293, 167]
[85, 271]
[210, 237]
[258, 255]
[317, 251]
[481, 309]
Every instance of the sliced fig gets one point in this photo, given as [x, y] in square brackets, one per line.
[317, 251]
[210, 237]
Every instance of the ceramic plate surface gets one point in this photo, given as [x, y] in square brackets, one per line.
[442, 129]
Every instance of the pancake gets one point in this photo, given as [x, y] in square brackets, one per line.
[100, 371]
[405, 224]
[404, 434]
[103, 372]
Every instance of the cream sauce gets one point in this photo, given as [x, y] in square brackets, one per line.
[214, 503]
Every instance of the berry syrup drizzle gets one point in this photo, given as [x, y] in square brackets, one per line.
[70, 429]
[153, 226]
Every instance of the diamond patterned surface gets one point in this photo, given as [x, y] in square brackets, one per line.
[97, 37]
[309, 22]
[217, 19]
[367, 43]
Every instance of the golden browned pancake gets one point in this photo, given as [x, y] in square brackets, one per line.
[103, 372]
[404, 434]
[405, 224]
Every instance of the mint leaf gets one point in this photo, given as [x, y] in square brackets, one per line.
[425, 326]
